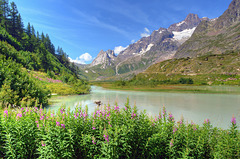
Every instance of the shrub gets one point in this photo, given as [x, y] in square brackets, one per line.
[17, 86]
[185, 81]
[111, 132]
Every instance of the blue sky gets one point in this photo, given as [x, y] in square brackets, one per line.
[84, 27]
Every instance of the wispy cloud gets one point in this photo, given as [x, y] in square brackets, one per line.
[67, 41]
[41, 25]
[146, 33]
[130, 11]
[30, 11]
[93, 20]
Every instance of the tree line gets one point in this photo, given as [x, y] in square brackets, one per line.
[28, 39]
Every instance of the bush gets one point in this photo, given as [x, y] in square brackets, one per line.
[16, 86]
[185, 81]
[111, 132]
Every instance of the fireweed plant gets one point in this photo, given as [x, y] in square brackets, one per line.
[111, 132]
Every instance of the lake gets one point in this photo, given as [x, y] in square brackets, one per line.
[219, 108]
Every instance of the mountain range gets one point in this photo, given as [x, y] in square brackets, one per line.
[192, 37]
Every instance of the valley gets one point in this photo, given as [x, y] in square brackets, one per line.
[113, 104]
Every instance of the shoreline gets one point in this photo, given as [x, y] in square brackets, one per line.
[203, 89]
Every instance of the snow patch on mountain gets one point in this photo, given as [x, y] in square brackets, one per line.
[179, 24]
[183, 34]
[160, 32]
[149, 47]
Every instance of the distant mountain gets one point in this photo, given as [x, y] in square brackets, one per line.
[217, 36]
[161, 45]
[178, 33]
[104, 58]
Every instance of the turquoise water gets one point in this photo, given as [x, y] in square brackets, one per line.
[219, 108]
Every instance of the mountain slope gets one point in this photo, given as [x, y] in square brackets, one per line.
[25, 58]
[178, 33]
[209, 69]
[161, 45]
[217, 36]
[209, 64]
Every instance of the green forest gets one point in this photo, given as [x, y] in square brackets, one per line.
[31, 68]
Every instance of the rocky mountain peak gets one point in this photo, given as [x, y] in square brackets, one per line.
[110, 53]
[192, 18]
[104, 58]
[217, 36]
[191, 21]
[230, 16]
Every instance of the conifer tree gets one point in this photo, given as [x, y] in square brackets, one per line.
[13, 18]
[29, 31]
[4, 12]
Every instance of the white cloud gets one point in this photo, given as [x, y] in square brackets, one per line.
[132, 41]
[82, 59]
[146, 33]
[118, 49]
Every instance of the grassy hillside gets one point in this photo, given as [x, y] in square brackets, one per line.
[209, 69]
[96, 73]
[209, 64]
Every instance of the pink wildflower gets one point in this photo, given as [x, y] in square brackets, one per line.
[171, 118]
[57, 123]
[106, 138]
[174, 130]
[206, 121]
[171, 143]
[233, 121]
[43, 144]
[19, 115]
[62, 126]
[6, 112]
[42, 117]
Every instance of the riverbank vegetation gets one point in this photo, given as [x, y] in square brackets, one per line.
[111, 132]
[201, 83]
[30, 66]
[173, 88]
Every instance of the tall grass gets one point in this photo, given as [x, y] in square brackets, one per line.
[111, 132]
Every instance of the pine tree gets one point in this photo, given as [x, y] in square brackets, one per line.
[29, 31]
[13, 18]
[20, 28]
[33, 31]
[43, 57]
[4, 12]
[48, 44]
